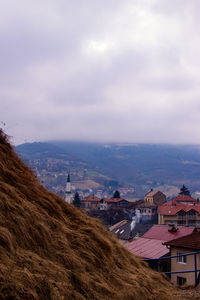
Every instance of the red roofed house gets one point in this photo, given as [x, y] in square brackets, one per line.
[150, 245]
[90, 202]
[107, 203]
[184, 245]
[182, 210]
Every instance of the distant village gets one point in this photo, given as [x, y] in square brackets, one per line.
[166, 234]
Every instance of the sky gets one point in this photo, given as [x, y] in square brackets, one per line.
[100, 70]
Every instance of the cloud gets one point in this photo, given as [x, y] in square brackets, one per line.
[100, 70]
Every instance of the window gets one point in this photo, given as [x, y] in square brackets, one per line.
[181, 280]
[181, 259]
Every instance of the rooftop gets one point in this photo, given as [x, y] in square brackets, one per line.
[91, 198]
[191, 241]
[125, 230]
[161, 232]
[147, 248]
[152, 193]
[184, 198]
[172, 210]
[114, 200]
[181, 202]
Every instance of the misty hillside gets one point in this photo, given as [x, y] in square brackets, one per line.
[141, 165]
[52, 250]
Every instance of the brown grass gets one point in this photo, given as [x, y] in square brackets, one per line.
[51, 250]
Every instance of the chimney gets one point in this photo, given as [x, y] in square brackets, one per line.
[172, 228]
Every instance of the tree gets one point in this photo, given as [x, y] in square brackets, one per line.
[184, 191]
[116, 194]
[77, 200]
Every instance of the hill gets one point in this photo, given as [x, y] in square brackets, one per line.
[140, 165]
[51, 250]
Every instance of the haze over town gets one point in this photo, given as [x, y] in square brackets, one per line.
[109, 71]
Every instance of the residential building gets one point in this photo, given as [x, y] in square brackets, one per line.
[148, 208]
[155, 197]
[127, 230]
[90, 202]
[184, 245]
[181, 210]
[107, 203]
[150, 245]
[147, 211]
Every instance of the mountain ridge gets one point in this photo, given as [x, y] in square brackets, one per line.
[143, 166]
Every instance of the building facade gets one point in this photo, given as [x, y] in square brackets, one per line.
[155, 197]
[184, 245]
[90, 202]
[182, 210]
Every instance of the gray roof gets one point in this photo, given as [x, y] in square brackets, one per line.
[124, 231]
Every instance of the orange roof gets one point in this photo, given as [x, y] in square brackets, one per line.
[91, 198]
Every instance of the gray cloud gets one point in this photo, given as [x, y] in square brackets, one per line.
[100, 70]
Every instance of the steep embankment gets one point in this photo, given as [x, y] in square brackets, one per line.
[50, 250]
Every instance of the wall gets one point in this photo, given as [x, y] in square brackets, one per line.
[189, 265]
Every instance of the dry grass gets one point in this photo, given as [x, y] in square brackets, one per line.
[51, 250]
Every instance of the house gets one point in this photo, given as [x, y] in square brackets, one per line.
[147, 211]
[148, 208]
[107, 203]
[90, 202]
[150, 245]
[181, 210]
[184, 245]
[155, 197]
[127, 230]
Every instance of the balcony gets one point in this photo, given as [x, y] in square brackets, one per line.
[181, 222]
[181, 218]
[191, 217]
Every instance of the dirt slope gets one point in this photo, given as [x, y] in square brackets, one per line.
[51, 250]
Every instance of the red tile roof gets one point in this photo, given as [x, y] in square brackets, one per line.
[147, 248]
[113, 200]
[172, 210]
[161, 232]
[184, 198]
[191, 241]
[91, 198]
[181, 202]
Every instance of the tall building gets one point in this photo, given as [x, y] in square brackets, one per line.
[68, 192]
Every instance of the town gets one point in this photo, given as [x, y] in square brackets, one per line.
[164, 233]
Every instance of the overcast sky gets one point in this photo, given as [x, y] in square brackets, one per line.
[100, 70]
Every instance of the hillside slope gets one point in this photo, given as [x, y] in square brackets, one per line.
[51, 250]
[143, 166]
